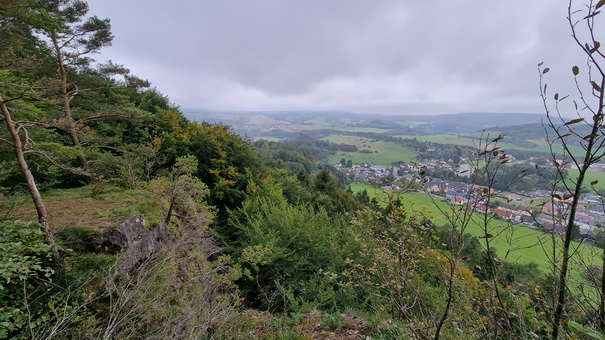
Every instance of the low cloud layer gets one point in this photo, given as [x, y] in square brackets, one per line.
[382, 56]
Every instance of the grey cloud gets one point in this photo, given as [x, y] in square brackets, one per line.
[391, 55]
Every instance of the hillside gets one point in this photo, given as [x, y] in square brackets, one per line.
[251, 123]
[522, 132]
[123, 216]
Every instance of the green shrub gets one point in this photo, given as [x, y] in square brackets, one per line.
[296, 249]
[25, 271]
[333, 321]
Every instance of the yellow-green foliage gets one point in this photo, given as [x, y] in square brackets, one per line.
[181, 194]
[225, 159]
[405, 274]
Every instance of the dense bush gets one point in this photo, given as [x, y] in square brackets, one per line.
[25, 275]
[293, 249]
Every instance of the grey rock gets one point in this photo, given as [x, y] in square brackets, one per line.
[133, 240]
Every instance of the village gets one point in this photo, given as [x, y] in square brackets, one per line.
[538, 209]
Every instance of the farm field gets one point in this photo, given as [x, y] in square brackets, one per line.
[383, 153]
[442, 139]
[472, 139]
[269, 139]
[517, 243]
[322, 123]
[412, 123]
[572, 174]
[358, 129]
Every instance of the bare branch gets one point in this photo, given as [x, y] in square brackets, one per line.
[51, 158]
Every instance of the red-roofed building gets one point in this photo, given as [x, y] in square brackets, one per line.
[458, 200]
[502, 213]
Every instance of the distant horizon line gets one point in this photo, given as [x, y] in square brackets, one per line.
[193, 109]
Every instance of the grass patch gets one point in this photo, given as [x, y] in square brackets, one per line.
[381, 153]
[358, 129]
[269, 139]
[412, 123]
[342, 125]
[515, 243]
[572, 175]
[90, 207]
[472, 139]
[443, 139]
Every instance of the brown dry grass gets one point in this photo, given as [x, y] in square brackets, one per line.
[77, 210]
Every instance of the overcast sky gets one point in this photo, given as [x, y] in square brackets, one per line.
[377, 56]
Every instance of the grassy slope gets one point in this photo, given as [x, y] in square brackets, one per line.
[515, 243]
[357, 129]
[387, 152]
[270, 139]
[466, 141]
[86, 206]
[322, 123]
[572, 174]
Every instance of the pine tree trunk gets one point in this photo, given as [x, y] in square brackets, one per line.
[29, 178]
[67, 96]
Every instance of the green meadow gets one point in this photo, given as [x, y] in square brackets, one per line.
[515, 243]
[269, 139]
[382, 153]
[341, 125]
[442, 139]
[572, 174]
[412, 123]
[473, 139]
[359, 129]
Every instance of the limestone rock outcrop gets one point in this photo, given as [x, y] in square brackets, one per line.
[133, 240]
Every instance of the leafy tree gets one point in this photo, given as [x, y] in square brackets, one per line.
[226, 162]
[293, 246]
[575, 232]
[183, 192]
[18, 40]
[363, 197]
[54, 57]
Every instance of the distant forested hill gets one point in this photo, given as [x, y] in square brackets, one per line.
[392, 124]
